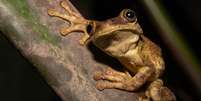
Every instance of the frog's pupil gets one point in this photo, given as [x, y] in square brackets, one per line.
[130, 14]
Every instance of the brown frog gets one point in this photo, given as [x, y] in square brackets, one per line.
[122, 38]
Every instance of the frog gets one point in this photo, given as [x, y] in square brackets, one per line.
[121, 37]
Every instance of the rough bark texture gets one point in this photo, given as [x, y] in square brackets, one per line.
[67, 66]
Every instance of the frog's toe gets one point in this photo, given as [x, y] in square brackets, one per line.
[98, 76]
[100, 85]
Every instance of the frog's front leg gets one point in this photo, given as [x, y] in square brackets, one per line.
[77, 22]
[112, 75]
[129, 84]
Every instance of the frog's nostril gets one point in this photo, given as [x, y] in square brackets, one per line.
[89, 29]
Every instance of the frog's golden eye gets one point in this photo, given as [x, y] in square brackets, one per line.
[129, 15]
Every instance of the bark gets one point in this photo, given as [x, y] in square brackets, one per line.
[67, 67]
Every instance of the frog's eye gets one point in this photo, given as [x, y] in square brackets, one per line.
[129, 15]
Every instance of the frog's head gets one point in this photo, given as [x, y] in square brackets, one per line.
[116, 34]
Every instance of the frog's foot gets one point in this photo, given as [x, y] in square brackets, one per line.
[114, 79]
[77, 22]
[157, 92]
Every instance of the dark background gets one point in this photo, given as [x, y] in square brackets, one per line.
[20, 81]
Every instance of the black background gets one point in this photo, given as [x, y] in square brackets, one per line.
[20, 81]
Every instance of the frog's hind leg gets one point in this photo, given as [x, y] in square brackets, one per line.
[129, 84]
[157, 92]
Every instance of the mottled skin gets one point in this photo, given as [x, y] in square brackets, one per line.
[122, 37]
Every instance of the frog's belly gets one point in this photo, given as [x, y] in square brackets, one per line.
[131, 61]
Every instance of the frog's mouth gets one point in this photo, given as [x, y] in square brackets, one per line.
[126, 28]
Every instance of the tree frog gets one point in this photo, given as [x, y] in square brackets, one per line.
[122, 38]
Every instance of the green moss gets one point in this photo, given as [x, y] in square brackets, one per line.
[21, 6]
[44, 34]
[22, 9]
